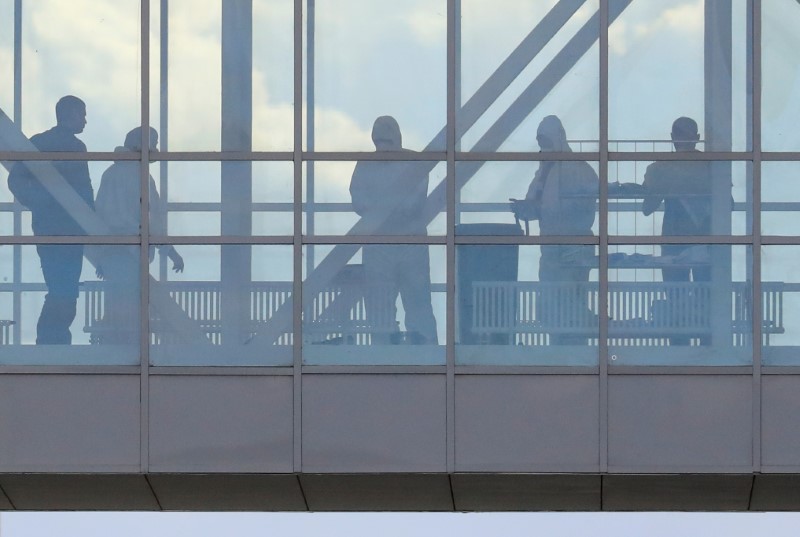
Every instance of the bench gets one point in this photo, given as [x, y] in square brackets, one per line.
[336, 315]
[5, 331]
[640, 313]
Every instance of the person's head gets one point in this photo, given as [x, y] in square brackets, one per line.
[71, 114]
[684, 134]
[133, 140]
[386, 134]
[551, 136]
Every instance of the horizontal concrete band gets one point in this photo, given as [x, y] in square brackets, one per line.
[401, 492]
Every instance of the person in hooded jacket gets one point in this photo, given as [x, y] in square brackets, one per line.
[118, 203]
[394, 194]
[562, 198]
[61, 263]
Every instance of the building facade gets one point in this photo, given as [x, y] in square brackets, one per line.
[426, 255]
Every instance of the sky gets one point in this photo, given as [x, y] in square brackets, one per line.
[399, 524]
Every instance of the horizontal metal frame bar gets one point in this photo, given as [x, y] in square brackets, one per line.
[516, 370]
[223, 371]
[737, 370]
[374, 369]
[347, 156]
[124, 370]
[433, 240]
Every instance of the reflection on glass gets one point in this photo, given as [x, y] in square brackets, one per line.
[374, 197]
[780, 64]
[678, 57]
[679, 198]
[571, 189]
[526, 305]
[384, 307]
[680, 304]
[223, 198]
[780, 305]
[780, 197]
[367, 60]
[231, 305]
[245, 52]
[68, 304]
[95, 49]
[6, 46]
[552, 67]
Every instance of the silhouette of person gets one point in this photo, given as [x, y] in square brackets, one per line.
[684, 187]
[396, 192]
[61, 263]
[562, 197]
[118, 204]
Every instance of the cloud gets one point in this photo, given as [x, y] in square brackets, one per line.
[640, 22]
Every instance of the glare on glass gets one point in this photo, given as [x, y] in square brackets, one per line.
[70, 304]
[680, 304]
[527, 71]
[526, 305]
[374, 304]
[219, 305]
[680, 198]
[374, 198]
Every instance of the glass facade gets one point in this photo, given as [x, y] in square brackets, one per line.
[442, 183]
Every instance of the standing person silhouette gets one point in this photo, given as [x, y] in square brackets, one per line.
[118, 203]
[684, 187]
[61, 263]
[562, 197]
[395, 192]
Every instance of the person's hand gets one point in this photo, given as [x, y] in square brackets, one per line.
[99, 272]
[524, 209]
[177, 261]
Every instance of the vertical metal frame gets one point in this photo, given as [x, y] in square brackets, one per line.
[144, 249]
[603, 247]
[754, 33]
[453, 55]
[297, 245]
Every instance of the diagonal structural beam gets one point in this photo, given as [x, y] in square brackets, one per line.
[477, 105]
[12, 139]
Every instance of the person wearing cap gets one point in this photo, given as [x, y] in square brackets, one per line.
[684, 189]
[393, 194]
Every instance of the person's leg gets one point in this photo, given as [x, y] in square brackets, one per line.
[61, 268]
[415, 291]
[380, 291]
[674, 306]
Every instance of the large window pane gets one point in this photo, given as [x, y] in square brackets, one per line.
[374, 198]
[780, 197]
[780, 305]
[228, 305]
[680, 198]
[91, 52]
[780, 65]
[678, 58]
[230, 75]
[7, 57]
[71, 198]
[223, 198]
[541, 198]
[526, 305]
[540, 79]
[374, 304]
[370, 60]
[680, 304]
[69, 304]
